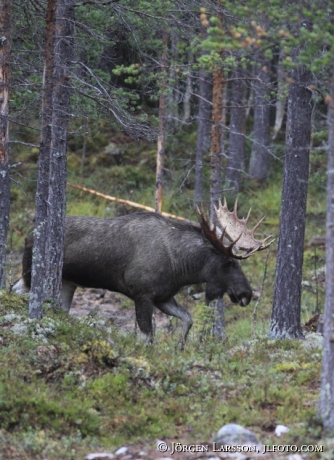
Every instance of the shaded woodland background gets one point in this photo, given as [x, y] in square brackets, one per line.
[172, 105]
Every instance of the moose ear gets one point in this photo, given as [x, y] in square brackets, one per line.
[208, 232]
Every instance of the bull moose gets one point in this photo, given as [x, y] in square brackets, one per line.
[149, 258]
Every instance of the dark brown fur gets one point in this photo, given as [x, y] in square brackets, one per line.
[148, 258]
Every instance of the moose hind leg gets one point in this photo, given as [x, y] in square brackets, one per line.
[20, 287]
[67, 293]
[144, 312]
[173, 308]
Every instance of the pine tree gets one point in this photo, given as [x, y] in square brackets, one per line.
[5, 49]
[285, 319]
[50, 197]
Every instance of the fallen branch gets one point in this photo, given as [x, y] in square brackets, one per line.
[17, 231]
[130, 203]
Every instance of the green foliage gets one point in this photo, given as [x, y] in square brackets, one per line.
[101, 352]
[203, 319]
[274, 24]
[24, 408]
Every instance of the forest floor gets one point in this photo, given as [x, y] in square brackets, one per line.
[112, 306]
[136, 396]
[108, 305]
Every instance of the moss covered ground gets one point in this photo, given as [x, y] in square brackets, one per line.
[71, 386]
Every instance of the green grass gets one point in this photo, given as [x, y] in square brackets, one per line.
[68, 387]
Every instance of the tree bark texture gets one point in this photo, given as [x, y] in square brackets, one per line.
[39, 260]
[172, 118]
[281, 96]
[50, 196]
[5, 49]
[219, 318]
[203, 129]
[236, 156]
[285, 320]
[162, 125]
[258, 166]
[187, 94]
[326, 399]
[216, 136]
[58, 150]
[216, 177]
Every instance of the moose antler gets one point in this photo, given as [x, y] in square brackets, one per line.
[235, 230]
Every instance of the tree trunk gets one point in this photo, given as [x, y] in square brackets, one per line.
[203, 129]
[187, 94]
[216, 173]
[250, 102]
[50, 196]
[236, 157]
[5, 48]
[38, 269]
[326, 399]
[258, 167]
[285, 320]
[162, 126]
[281, 96]
[219, 318]
[172, 118]
[216, 136]
[58, 151]
[223, 139]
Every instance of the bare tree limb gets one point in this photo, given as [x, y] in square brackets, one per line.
[129, 203]
[24, 143]
[95, 2]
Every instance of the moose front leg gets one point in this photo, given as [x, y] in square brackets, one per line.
[173, 308]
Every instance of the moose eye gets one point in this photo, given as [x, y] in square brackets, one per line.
[229, 264]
